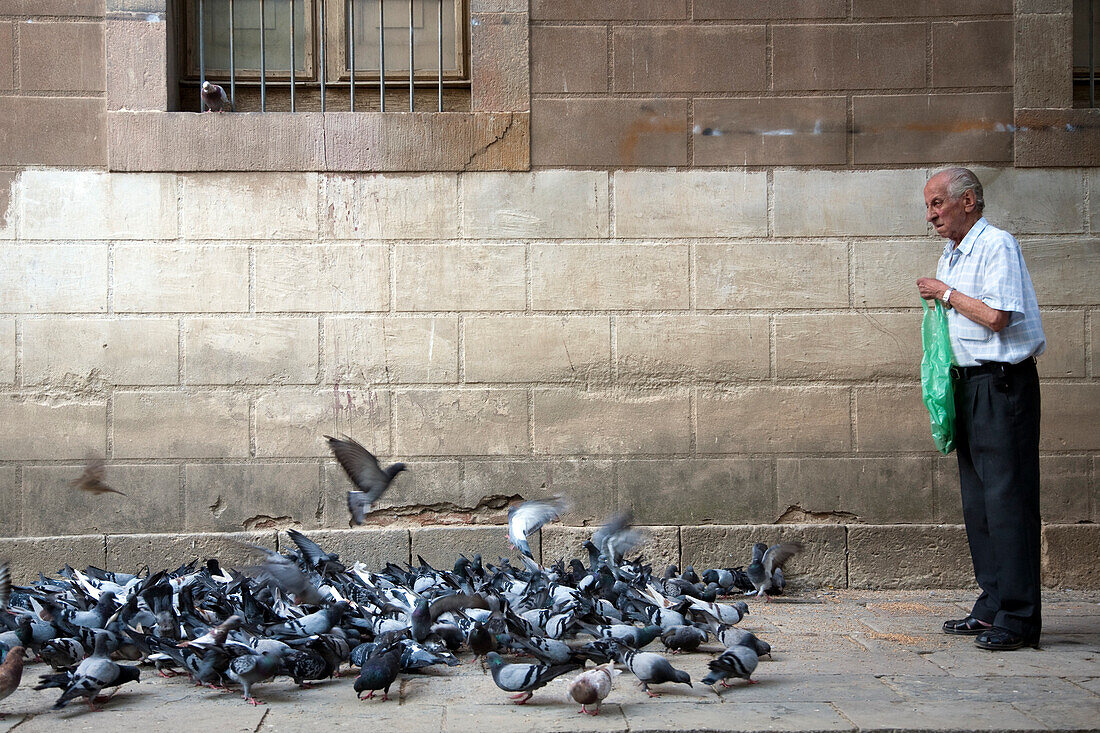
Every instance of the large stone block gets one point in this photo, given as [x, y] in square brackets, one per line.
[140, 351]
[609, 132]
[7, 351]
[891, 9]
[771, 275]
[771, 131]
[151, 502]
[340, 277]
[459, 277]
[677, 347]
[587, 423]
[1065, 547]
[752, 10]
[87, 8]
[1094, 207]
[1042, 60]
[61, 204]
[945, 481]
[568, 59]
[884, 274]
[1034, 201]
[373, 547]
[75, 427]
[1057, 137]
[689, 58]
[609, 276]
[130, 552]
[608, 10]
[429, 492]
[441, 546]
[821, 562]
[180, 278]
[875, 490]
[908, 556]
[53, 279]
[133, 86]
[690, 204]
[1065, 490]
[848, 346]
[278, 206]
[7, 58]
[689, 491]
[537, 349]
[774, 420]
[11, 502]
[293, 422]
[29, 556]
[1065, 354]
[892, 419]
[231, 497]
[391, 350]
[79, 69]
[53, 131]
[9, 194]
[588, 484]
[848, 56]
[1071, 414]
[460, 422]
[250, 350]
[1063, 272]
[972, 53]
[544, 203]
[829, 203]
[501, 78]
[660, 549]
[926, 128]
[391, 206]
[195, 424]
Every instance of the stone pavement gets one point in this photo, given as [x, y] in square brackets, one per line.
[844, 661]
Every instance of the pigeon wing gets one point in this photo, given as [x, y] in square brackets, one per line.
[361, 467]
[779, 554]
[310, 549]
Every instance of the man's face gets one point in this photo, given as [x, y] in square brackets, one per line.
[949, 216]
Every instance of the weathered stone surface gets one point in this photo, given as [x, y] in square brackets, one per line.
[829, 203]
[228, 497]
[908, 556]
[769, 715]
[431, 493]
[609, 276]
[391, 350]
[340, 277]
[250, 350]
[568, 59]
[972, 53]
[500, 79]
[459, 277]
[1094, 210]
[774, 419]
[57, 131]
[876, 490]
[821, 562]
[589, 484]
[1057, 137]
[129, 551]
[771, 131]
[76, 427]
[945, 479]
[921, 715]
[194, 424]
[1065, 546]
[7, 350]
[139, 351]
[29, 556]
[129, 85]
[390, 206]
[1042, 59]
[661, 547]
[609, 132]
[9, 193]
[1065, 354]
[61, 204]
[852, 346]
[151, 501]
[54, 7]
[698, 491]
[441, 546]
[280, 206]
[600, 423]
[180, 278]
[53, 279]
[884, 274]
[544, 203]
[891, 419]
[373, 547]
[292, 422]
[608, 10]
[460, 422]
[752, 10]
[690, 204]
[1061, 270]
[1065, 489]
[11, 502]
[1071, 413]
[537, 349]
[1031, 201]
[848, 56]
[771, 275]
[688, 58]
[7, 58]
[678, 347]
[79, 69]
[889, 9]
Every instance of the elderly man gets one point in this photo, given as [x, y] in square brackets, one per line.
[993, 318]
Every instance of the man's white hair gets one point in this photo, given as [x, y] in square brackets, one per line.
[961, 180]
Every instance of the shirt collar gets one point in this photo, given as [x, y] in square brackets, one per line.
[967, 242]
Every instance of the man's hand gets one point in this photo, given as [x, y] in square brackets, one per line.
[931, 289]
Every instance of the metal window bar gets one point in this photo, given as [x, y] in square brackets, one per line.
[293, 58]
[321, 51]
[1092, 53]
[263, 58]
[232, 63]
[202, 56]
[439, 35]
[351, 52]
[412, 66]
[381, 55]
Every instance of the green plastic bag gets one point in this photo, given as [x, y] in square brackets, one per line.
[935, 376]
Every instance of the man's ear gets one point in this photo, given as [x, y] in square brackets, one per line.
[969, 202]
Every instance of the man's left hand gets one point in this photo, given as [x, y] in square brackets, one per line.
[931, 289]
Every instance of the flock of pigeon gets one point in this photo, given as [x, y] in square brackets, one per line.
[306, 615]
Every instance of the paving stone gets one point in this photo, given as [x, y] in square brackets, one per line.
[643, 718]
[967, 661]
[979, 690]
[933, 716]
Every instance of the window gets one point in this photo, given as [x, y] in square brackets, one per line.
[246, 46]
[1086, 52]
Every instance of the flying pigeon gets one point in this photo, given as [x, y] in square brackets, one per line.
[766, 569]
[92, 479]
[215, 97]
[527, 518]
[370, 479]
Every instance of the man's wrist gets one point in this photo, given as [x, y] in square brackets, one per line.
[947, 296]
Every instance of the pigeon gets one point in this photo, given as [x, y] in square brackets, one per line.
[615, 538]
[62, 653]
[683, 638]
[11, 671]
[592, 687]
[651, 669]
[317, 558]
[524, 679]
[284, 573]
[379, 672]
[732, 636]
[305, 665]
[720, 613]
[5, 585]
[766, 569]
[249, 669]
[737, 661]
[369, 478]
[527, 518]
[92, 480]
[215, 97]
[90, 676]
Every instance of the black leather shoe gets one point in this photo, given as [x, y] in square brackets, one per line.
[1000, 640]
[968, 626]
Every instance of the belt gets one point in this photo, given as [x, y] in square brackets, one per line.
[991, 367]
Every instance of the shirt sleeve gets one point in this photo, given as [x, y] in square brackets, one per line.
[1002, 285]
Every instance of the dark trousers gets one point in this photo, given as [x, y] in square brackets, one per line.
[997, 440]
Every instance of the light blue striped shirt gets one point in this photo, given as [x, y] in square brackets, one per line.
[988, 265]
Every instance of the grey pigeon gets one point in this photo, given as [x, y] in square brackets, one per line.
[737, 661]
[766, 569]
[92, 480]
[615, 538]
[651, 669]
[370, 479]
[249, 669]
[527, 518]
[683, 638]
[720, 613]
[379, 672]
[317, 558]
[284, 573]
[215, 97]
[523, 679]
[732, 636]
[592, 687]
[91, 676]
